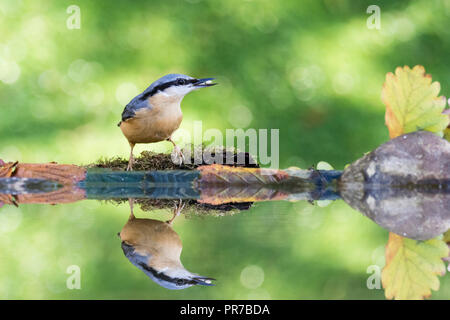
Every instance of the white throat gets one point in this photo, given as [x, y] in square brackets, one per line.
[179, 91]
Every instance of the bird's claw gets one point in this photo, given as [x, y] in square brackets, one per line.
[177, 210]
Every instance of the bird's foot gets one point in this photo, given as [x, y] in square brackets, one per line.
[177, 156]
[131, 203]
[177, 210]
[130, 165]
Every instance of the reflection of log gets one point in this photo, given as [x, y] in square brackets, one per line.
[66, 194]
[210, 184]
[66, 175]
[221, 184]
[216, 195]
[6, 199]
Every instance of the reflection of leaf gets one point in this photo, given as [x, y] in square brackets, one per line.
[6, 199]
[412, 267]
[412, 102]
[447, 236]
[446, 239]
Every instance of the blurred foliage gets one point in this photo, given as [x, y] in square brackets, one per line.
[311, 68]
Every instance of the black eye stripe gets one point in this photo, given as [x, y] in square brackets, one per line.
[183, 81]
[166, 85]
[162, 276]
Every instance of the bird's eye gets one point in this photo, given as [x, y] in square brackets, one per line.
[180, 282]
[181, 82]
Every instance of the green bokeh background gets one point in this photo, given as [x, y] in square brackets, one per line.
[309, 68]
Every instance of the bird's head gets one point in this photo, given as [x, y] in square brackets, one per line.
[168, 275]
[177, 85]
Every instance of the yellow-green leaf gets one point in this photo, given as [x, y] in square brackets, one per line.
[412, 267]
[447, 131]
[412, 102]
[322, 165]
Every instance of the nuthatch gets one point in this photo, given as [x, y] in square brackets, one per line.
[155, 248]
[155, 114]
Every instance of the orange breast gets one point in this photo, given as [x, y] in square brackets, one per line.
[153, 124]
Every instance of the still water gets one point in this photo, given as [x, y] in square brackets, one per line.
[273, 250]
[214, 232]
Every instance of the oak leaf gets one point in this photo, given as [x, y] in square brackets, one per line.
[412, 102]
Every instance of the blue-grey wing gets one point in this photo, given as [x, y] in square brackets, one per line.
[137, 103]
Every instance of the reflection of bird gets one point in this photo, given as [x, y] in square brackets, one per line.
[155, 114]
[155, 248]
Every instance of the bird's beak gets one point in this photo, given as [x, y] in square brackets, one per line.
[202, 83]
[204, 281]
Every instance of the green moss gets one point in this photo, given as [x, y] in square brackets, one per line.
[147, 160]
[192, 207]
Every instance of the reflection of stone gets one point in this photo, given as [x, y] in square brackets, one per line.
[403, 185]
